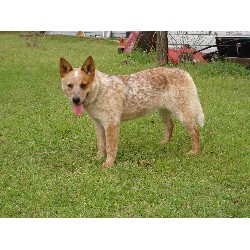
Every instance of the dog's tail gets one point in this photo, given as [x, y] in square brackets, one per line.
[199, 117]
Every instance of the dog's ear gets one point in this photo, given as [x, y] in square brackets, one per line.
[88, 67]
[65, 67]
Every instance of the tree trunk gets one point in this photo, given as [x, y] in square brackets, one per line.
[162, 47]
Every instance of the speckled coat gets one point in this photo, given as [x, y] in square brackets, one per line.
[110, 99]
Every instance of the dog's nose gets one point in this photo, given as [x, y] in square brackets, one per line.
[76, 100]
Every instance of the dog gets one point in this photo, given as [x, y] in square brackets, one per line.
[111, 99]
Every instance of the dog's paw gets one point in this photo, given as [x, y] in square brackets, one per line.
[108, 164]
[192, 152]
[164, 141]
[99, 156]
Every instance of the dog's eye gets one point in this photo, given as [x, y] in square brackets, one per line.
[70, 85]
[83, 85]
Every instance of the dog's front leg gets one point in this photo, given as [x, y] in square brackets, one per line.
[100, 138]
[112, 135]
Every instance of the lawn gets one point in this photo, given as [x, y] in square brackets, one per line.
[47, 154]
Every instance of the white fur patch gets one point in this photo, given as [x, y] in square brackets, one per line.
[76, 74]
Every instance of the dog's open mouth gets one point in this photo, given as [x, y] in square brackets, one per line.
[78, 109]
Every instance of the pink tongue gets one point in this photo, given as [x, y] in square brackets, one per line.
[78, 109]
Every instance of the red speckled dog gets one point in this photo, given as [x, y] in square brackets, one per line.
[110, 99]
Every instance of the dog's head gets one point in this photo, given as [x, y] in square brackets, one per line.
[77, 82]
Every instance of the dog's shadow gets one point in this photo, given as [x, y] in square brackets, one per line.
[140, 142]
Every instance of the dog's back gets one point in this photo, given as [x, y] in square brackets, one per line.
[161, 88]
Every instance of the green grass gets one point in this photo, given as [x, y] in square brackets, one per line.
[47, 155]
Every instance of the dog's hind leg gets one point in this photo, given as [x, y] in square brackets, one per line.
[194, 134]
[167, 120]
[187, 118]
